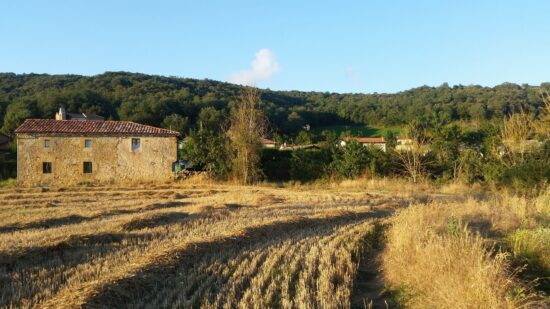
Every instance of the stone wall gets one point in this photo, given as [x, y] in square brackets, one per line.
[112, 157]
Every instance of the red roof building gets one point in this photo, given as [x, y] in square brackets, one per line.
[91, 127]
[267, 143]
[376, 142]
[370, 140]
[66, 152]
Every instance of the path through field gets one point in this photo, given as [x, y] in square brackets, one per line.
[189, 246]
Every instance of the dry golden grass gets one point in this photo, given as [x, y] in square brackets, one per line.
[205, 244]
[440, 255]
[182, 245]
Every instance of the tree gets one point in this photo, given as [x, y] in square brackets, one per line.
[210, 118]
[16, 113]
[248, 127]
[175, 122]
[207, 151]
[294, 122]
[413, 158]
[353, 160]
[303, 138]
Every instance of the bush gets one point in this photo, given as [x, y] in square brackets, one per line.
[352, 161]
[207, 151]
[276, 165]
[307, 165]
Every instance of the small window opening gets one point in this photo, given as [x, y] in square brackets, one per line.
[88, 143]
[87, 167]
[136, 144]
[46, 143]
[46, 167]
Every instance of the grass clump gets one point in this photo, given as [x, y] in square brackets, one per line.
[437, 260]
[8, 183]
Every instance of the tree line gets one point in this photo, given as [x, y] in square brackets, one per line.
[185, 104]
[463, 133]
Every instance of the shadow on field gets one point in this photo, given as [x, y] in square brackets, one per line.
[74, 219]
[170, 204]
[169, 273]
[75, 250]
[72, 251]
[155, 220]
[45, 224]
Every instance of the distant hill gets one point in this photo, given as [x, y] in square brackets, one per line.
[152, 99]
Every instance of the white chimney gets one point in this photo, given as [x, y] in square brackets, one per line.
[61, 115]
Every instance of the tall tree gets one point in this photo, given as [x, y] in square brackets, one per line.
[248, 126]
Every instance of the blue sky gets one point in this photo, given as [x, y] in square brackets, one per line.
[340, 46]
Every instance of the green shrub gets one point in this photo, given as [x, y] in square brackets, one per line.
[276, 164]
[307, 165]
[352, 161]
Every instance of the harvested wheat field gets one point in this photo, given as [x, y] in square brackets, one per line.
[178, 245]
[183, 246]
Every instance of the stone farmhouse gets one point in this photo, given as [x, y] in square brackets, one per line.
[64, 152]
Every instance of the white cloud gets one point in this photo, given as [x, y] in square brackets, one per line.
[352, 75]
[263, 67]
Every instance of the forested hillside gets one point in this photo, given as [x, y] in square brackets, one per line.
[177, 102]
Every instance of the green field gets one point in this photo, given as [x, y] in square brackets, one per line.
[358, 130]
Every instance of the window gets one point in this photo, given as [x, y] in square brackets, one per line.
[87, 167]
[135, 144]
[88, 143]
[46, 143]
[46, 167]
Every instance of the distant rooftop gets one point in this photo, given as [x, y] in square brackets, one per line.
[91, 127]
[370, 139]
[83, 116]
[63, 115]
[267, 141]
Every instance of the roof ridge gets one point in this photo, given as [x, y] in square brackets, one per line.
[92, 127]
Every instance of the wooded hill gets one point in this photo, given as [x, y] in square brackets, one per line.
[157, 100]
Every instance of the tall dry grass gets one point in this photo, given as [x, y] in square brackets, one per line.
[443, 255]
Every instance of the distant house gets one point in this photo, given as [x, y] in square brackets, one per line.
[521, 146]
[61, 152]
[4, 142]
[404, 144]
[375, 142]
[267, 143]
[63, 115]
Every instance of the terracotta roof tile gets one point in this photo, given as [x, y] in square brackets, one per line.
[90, 127]
[370, 140]
[267, 141]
